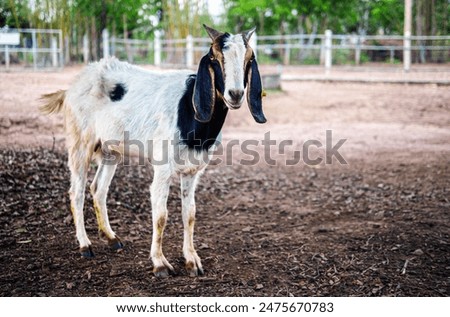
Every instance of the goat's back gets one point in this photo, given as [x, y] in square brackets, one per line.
[111, 97]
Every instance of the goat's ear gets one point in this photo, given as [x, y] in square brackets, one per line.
[213, 34]
[204, 95]
[255, 92]
[248, 34]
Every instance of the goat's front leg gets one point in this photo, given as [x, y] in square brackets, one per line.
[159, 191]
[188, 185]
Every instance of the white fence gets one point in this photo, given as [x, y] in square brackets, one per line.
[299, 49]
[160, 52]
[44, 48]
[36, 48]
[313, 49]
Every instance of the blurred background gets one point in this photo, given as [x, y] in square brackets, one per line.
[54, 33]
[374, 73]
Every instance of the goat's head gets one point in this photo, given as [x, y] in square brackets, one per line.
[224, 72]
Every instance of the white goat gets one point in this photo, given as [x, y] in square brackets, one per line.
[113, 105]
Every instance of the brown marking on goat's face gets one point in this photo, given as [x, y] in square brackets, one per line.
[247, 60]
[217, 53]
[248, 55]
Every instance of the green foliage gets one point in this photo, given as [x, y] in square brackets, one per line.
[14, 13]
[343, 16]
[291, 16]
[178, 18]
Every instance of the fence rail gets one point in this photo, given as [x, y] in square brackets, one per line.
[36, 48]
[44, 48]
[309, 49]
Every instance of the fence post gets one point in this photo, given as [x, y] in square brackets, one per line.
[113, 45]
[85, 49]
[7, 57]
[328, 49]
[54, 48]
[189, 51]
[34, 49]
[67, 51]
[287, 51]
[407, 36]
[150, 49]
[61, 49]
[105, 38]
[358, 50]
[157, 49]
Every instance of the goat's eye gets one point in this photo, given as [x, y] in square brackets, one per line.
[212, 57]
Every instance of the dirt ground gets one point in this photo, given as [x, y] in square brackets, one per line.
[376, 226]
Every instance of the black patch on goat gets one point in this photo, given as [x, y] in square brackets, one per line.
[222, 40]
[199, 135]
[118, 92]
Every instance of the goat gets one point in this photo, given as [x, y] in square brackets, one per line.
[111, 98]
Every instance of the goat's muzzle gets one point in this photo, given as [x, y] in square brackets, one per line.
[236, 97]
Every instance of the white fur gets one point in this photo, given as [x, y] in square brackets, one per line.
[147, 112]
[234, 56]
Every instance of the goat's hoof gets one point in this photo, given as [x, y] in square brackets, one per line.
[162, 271]
[194, 271]
[86, 252]
[115, 244]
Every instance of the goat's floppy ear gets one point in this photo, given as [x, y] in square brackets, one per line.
[204, 95]
[255, 92]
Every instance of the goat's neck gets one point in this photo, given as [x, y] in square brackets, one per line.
[199, 135]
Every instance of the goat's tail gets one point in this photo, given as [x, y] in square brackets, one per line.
[54, 102]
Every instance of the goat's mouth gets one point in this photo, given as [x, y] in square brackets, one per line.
[232, 104]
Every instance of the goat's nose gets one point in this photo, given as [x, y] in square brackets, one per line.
[236, 94]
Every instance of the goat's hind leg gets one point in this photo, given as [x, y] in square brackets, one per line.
[188, 185]
[159, 191]
[79, 160]
[99, 191]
